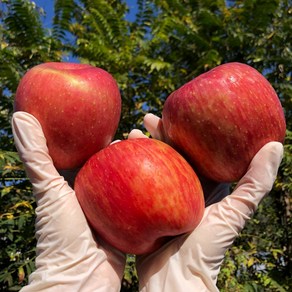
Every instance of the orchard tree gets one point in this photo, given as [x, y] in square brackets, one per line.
[168, 43]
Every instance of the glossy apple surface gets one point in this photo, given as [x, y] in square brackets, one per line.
[78, 106]
[220, 119]
[138, 193]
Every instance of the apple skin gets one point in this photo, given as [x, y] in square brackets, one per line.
[139, 193]
[219, 120]
[77, 105]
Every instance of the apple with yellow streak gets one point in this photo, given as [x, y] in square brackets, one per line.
[77, 105]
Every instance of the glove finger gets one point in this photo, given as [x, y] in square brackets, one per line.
[134, 134]
[153, 124]
[253, 187]
[115, 141]
[30, 142]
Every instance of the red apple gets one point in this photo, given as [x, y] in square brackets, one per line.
[77, 105]
[138, 193]
[220, 119]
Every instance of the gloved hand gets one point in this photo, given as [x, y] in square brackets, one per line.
[69, 257]
[192, 262]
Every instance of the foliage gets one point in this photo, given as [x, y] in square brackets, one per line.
[169, 43]
[24, 44]
[130, 281]
[17, 217]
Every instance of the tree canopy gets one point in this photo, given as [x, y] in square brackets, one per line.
[169, 43]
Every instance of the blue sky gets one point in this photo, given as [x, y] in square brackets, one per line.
[48, 6]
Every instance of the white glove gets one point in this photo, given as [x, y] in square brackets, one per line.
[192, 262]
[68, 256]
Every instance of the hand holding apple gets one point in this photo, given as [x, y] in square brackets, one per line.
[77, 105]
[220, 119]
[67, 254]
